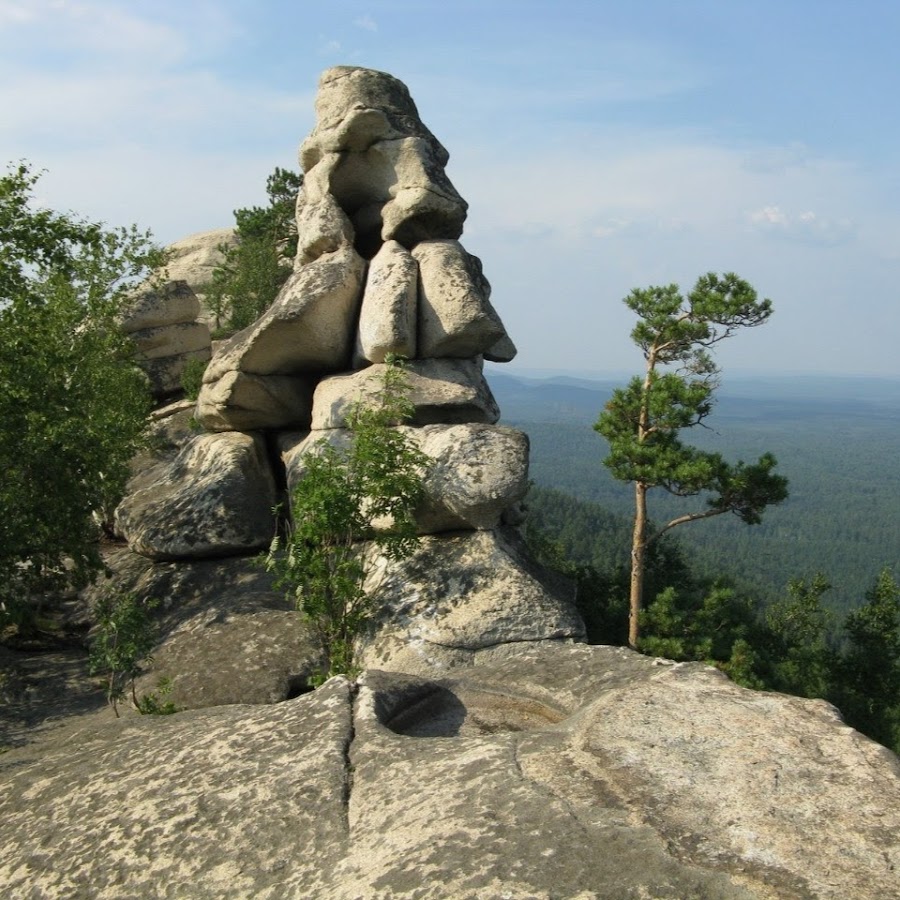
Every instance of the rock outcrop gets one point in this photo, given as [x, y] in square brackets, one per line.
[162, 321]
[380, 271]
[540, 772]
[193, 259]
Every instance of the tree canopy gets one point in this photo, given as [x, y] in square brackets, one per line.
[255, 268]
[642, 422]
[72, 403]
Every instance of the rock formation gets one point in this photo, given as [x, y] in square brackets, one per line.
[193, 259]
[162, 321]
[379, 271]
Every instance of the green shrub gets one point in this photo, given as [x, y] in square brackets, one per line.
[192, 377]
[124, 635]
[335, 507]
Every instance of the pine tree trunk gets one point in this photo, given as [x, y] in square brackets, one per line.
[638, 549]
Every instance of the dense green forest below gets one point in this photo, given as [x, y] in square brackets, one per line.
[836, 439]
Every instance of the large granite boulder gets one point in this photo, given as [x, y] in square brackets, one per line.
[161, 320]
[476, 473]
[371, 151]
[387, 319]
[239, 401]
[213, 498]
[458, 594]
[309, 328]
[225, 633]
[193, 258]
[322, 227]
[447, 391]
[455, 314]
[158, 306]
[544, 771]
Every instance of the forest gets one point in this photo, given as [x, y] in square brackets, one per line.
[836, 439]
[805, 602]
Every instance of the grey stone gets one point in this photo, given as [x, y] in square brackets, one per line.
[370, 150]
[357, 107]
[446, 391]
[387, 319]
[476, 473]
[309, 327]
[544, 771]
[242, 402]
[215, 497]
[154, 305]
[193, 258]
[423, 203]
[455, 314]
[458, 594]
[164, 373]
[203, 804]
[322, 227]
[172, 340]
[503, 351]
[226, 634]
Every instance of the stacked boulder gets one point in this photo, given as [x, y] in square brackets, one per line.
[161, 320]
[379, 272]
[194, 259]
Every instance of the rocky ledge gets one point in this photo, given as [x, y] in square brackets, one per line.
[544, 771]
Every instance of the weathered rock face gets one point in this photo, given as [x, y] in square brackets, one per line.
[193, 260]
[379, 272]
[448, 391]
[458, 594]
[215, 497]
[477, 473]
[241, 401]
[543, 771]
[372, 152]
[162, 322]
[387, 320]
[226, 634]
[378, 269]
[455, 314]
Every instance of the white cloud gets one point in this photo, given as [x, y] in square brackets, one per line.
[12, 13]
[367, 23]
[88, 29]
[768, 215]
[187, 108]
[806, 226]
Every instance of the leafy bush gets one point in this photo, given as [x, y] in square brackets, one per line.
[192, 377]
[367, 492]
[73, 404]
[124, 635]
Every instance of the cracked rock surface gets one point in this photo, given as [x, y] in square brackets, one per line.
[543, 771]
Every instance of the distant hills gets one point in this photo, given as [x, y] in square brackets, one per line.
[836, 438]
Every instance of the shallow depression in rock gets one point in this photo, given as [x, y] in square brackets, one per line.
[438, 711]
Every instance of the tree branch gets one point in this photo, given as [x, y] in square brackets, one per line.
[681, 520]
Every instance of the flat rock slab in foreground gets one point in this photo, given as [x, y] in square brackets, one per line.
[541, 772]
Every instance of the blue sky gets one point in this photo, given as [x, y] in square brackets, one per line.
[601, 145]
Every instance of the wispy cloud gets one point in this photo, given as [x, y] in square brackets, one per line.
[806, 226]
[367, 23]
